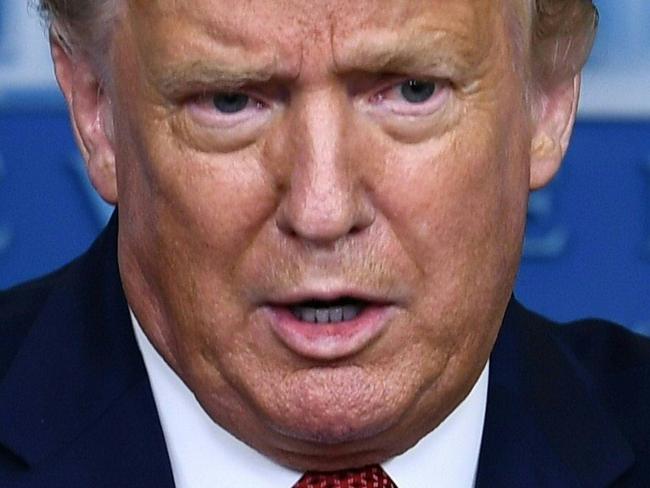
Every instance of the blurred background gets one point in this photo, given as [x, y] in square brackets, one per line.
[587, 249]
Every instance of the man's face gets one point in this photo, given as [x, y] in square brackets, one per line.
[280, 163]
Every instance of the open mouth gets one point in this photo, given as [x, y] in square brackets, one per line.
[336, 311]
[326, 326]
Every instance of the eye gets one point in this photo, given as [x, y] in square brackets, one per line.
[231, 103]
[412, 97]
[416, 91]
[227, 109]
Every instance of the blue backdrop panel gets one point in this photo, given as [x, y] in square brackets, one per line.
[47, 211]
[588, 236]
[587, 249]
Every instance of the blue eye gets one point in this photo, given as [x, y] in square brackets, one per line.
[230, 103]
[416, 91]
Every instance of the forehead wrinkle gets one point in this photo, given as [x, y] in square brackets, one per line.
[447, 34]
[178, 48]
[183, 23]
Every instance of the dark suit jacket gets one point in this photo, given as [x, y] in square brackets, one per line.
[567, 406]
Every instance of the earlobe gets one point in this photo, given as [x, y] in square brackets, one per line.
[553, 125]
[90, 115]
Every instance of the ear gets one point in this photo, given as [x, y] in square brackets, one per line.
[90, 115]
[552, 126]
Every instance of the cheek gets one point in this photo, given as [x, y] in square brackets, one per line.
[457, 208]
[189, 220]
[212, 204]
[453, 197]
[208, 211]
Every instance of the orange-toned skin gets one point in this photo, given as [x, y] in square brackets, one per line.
[329, 182]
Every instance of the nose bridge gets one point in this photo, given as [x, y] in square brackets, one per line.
[320, 169]
[322, 202]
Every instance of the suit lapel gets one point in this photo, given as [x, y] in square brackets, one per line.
[77, 395]
[544, 426]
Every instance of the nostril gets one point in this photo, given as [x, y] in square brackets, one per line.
[358, 229]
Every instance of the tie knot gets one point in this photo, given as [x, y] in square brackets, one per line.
[366, 477]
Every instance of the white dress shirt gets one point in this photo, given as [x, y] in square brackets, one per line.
[204, 455]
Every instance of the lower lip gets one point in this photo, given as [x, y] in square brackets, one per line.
[330, 341]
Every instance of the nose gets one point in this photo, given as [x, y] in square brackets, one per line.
[325, 198]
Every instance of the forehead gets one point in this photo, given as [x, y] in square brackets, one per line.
[312, 14]
[289, 29]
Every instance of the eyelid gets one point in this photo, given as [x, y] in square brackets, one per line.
[400, 80]
[200, 108]
[379, 101]
[208, 93]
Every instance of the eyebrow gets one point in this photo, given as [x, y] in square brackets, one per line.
[177, 79]
[388, 51]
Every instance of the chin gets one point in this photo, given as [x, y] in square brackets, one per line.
[331, 428]
[338, 445]
[335, 434]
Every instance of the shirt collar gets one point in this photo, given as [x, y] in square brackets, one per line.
[202, 454]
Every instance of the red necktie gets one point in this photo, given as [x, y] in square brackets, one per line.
[368, 477]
